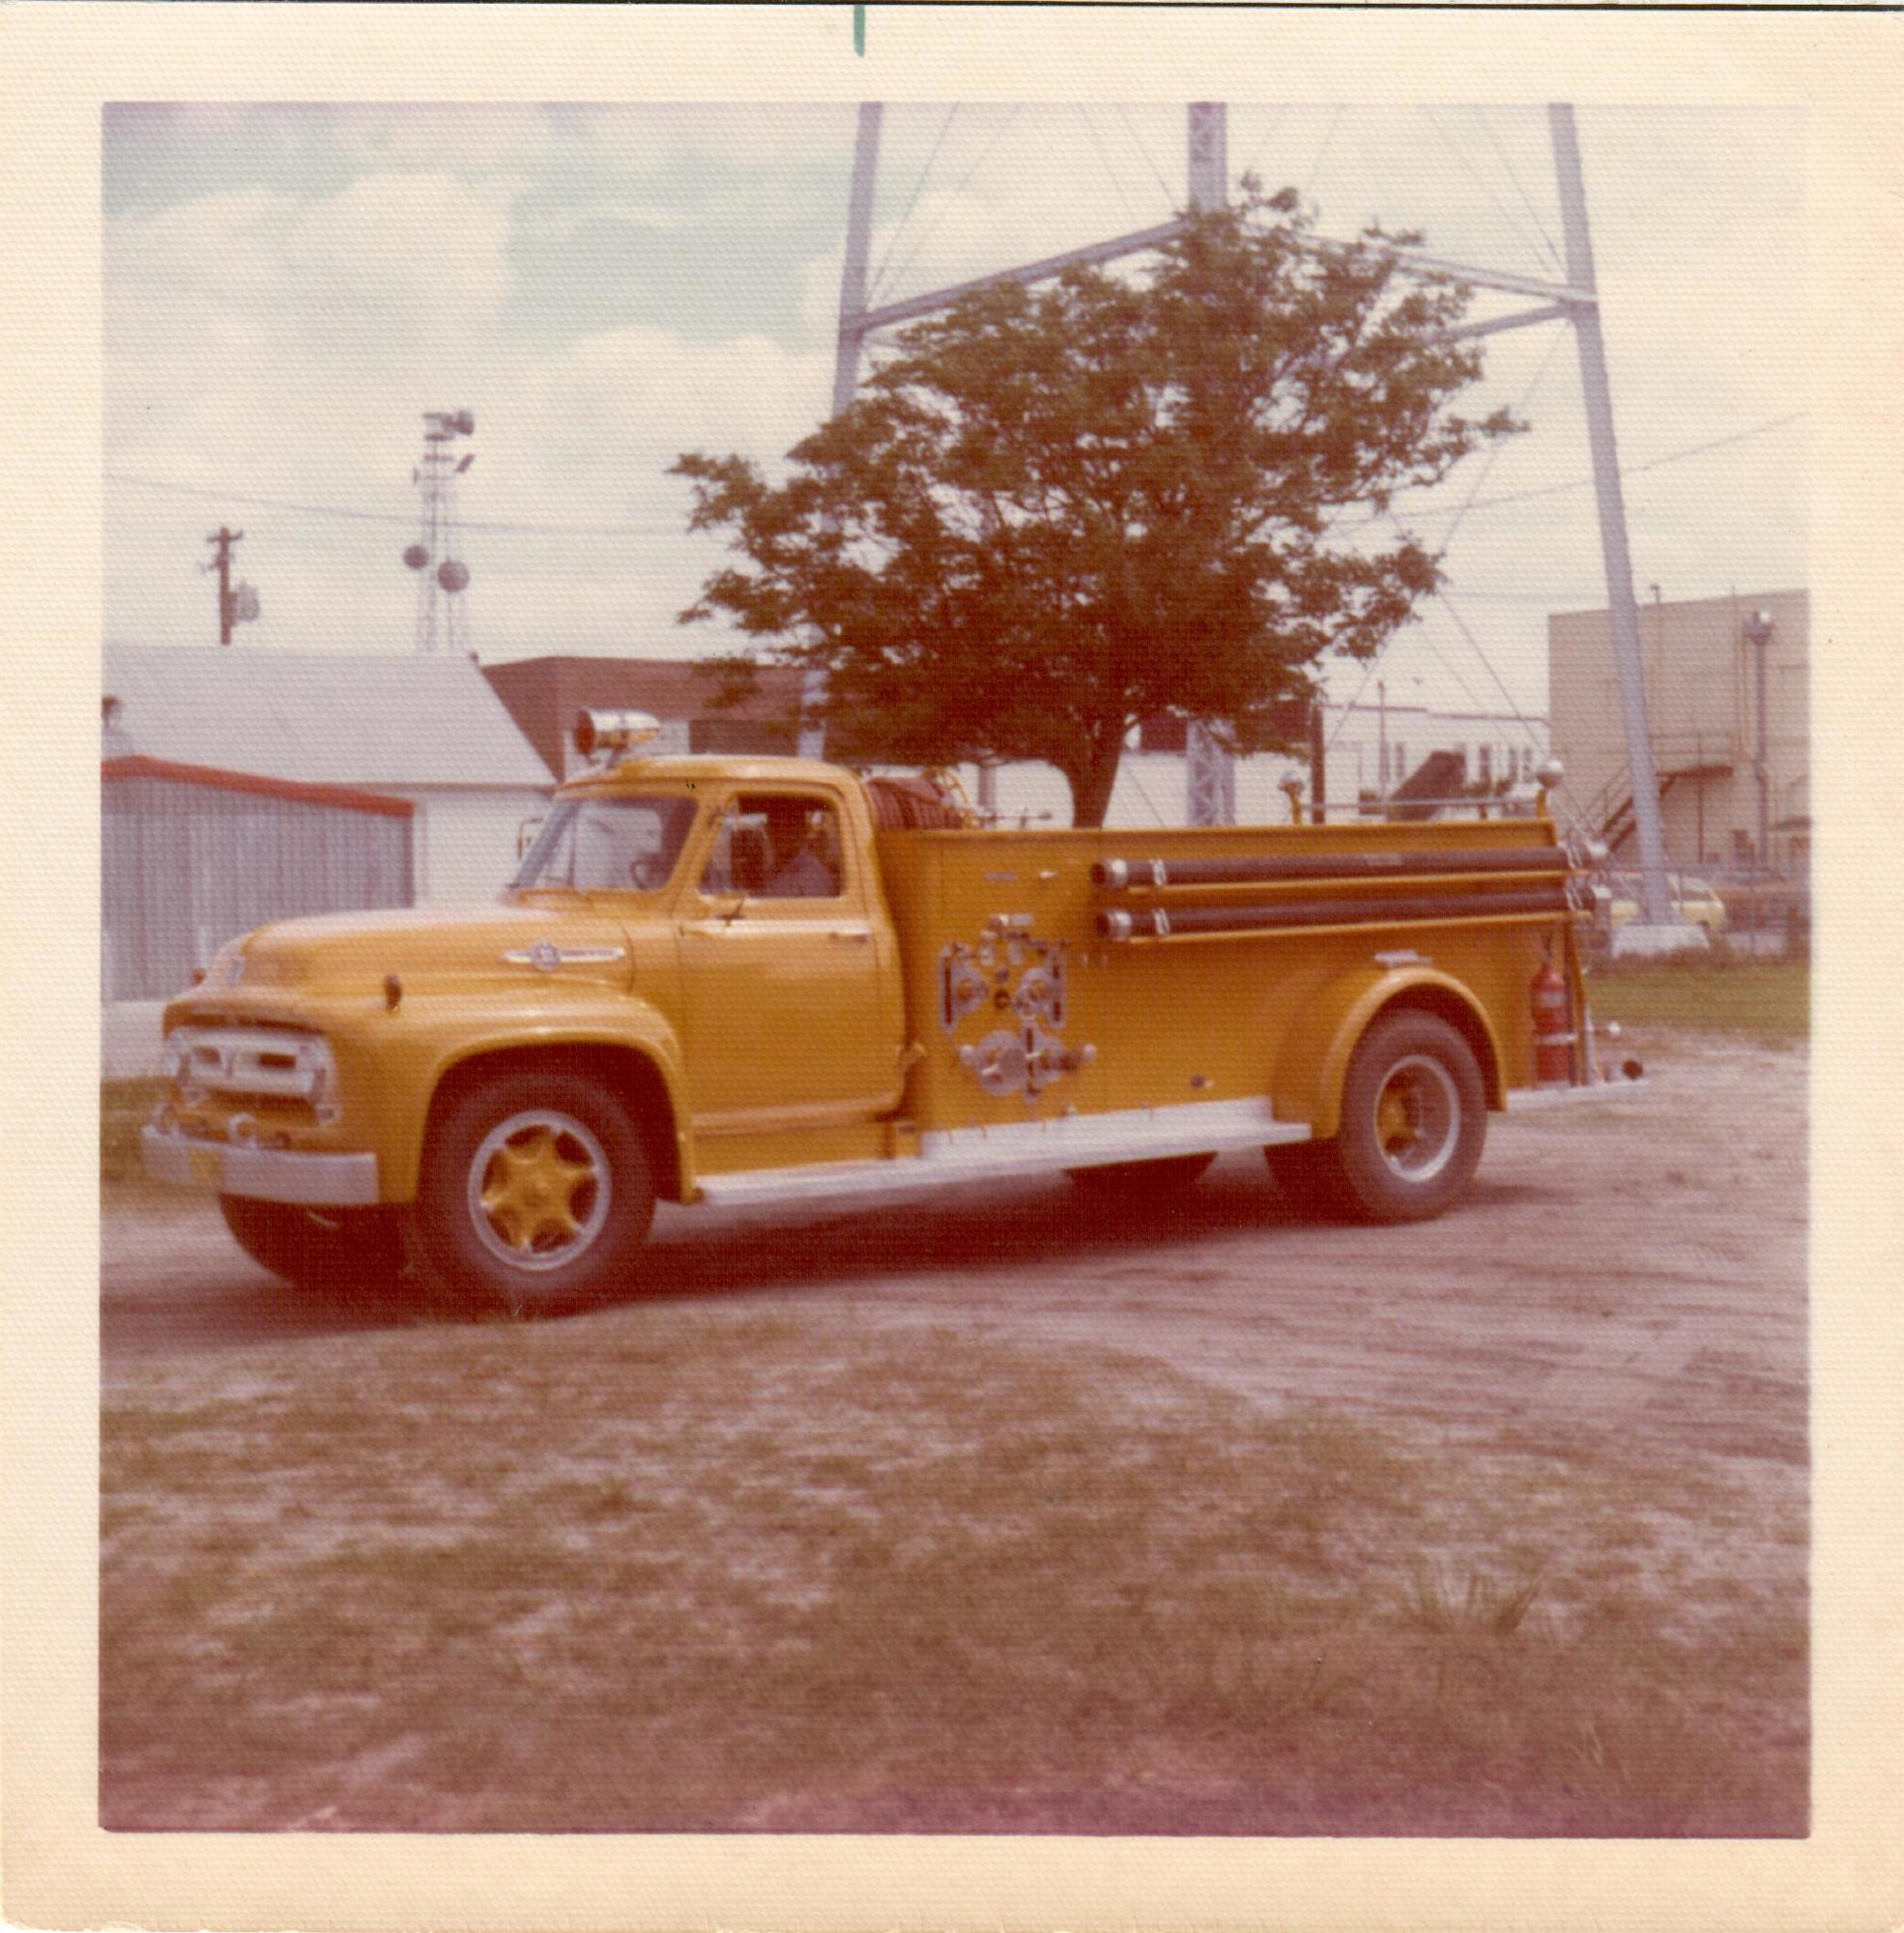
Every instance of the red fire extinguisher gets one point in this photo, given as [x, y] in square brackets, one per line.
[1553, 1035]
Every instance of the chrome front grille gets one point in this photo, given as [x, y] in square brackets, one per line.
[258, 1063]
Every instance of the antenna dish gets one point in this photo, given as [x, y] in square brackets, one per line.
[451, 575]
[415, 557]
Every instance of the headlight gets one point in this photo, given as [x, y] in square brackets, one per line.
[315, 1062]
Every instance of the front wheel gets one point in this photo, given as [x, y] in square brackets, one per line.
[536, 1192]
[1414, 1116]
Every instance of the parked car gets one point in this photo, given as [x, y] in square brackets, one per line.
[1693, 899]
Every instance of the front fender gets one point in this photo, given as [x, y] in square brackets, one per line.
[393, 1064]
[1309, 1071]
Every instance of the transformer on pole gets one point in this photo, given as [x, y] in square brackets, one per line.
[238, 603]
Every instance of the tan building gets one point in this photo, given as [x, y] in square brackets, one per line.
[1703, 663]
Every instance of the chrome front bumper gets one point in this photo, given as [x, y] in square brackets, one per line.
[268, 1174]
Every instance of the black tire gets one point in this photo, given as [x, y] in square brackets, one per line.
[1414, 1117]
[332, 1249]
[536, 1192]
[1141, 1184]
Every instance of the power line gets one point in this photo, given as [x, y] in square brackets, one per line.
[1104, 155]
[1315, 167]
[390, 517]
[965, 180]
[1447, 537]
[1255, 154]
[918, 189]
[1487, 665]
[1500, 442]
[1547, 241]
[1486, 186]
[1130, 127]
[1638, 468]
[1586, 482]
[670, 529]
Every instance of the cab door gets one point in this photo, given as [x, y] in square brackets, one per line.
[787, 970]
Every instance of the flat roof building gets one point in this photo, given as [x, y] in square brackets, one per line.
[1727, 707]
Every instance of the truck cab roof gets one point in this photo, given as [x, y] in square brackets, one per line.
[687, 768]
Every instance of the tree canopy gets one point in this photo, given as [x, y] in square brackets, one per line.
[1055, 511]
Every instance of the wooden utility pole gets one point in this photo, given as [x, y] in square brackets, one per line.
[225, 540]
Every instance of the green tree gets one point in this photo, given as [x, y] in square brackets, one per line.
[1055, 511]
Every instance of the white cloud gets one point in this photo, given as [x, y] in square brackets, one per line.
[652, 136]
[453, 137]
[279, 347]
[281, 341]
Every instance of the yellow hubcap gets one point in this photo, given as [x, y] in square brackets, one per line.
[538, 1190]
[1395, 1118]
[1418, 1118]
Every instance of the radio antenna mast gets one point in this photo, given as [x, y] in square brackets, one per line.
[442, 622]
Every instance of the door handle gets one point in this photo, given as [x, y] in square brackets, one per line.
[859, 934]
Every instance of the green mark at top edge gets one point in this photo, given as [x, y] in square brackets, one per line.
[859, 27]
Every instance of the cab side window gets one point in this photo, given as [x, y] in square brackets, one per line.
[776, 846]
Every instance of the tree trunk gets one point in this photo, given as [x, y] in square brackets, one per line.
[1092, 780]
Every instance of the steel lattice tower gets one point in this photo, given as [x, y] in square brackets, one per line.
[1210, 782]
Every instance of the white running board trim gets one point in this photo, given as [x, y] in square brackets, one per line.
[948, 1157]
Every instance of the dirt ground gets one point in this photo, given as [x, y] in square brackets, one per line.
[1629, 1274]
[1638, 1263]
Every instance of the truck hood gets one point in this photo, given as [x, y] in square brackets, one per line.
[434, 949]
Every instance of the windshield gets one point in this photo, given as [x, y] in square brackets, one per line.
[609, 845]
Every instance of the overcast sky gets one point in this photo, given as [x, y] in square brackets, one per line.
[287, 288]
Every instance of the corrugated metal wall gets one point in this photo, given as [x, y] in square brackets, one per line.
[184, 867]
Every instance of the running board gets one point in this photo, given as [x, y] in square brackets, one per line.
[949, 1157]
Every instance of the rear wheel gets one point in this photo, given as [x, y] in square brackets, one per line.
[536, 1192]
[1414, 1116]
[329, 1248]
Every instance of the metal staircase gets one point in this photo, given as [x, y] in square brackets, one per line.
[1609, 815]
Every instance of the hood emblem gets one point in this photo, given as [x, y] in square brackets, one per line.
[545, 956]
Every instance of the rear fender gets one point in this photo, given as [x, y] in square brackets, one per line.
[1308, 1081]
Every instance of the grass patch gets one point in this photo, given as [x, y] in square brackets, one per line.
[1765, 1002]
[125, 1108]
[707, 1571]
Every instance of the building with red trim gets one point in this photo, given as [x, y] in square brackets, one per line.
[248, 785]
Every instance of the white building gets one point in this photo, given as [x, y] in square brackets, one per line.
[260, 784]
[428, 729]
